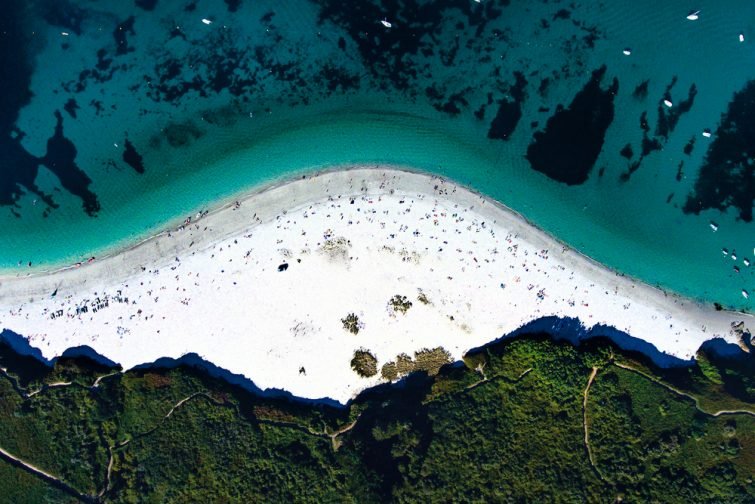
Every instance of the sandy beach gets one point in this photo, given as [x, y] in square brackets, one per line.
[259, 287]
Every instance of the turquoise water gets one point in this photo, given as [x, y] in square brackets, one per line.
[251, 98]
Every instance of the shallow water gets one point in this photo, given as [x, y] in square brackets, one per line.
[159, 114]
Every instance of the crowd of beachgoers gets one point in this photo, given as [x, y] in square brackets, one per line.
[260, 287]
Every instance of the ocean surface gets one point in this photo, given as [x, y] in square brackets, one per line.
[119, 116]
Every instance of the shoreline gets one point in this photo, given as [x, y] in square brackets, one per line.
[486, 269]
[250, 193]
[161, 229]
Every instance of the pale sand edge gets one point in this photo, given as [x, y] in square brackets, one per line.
[281, 195]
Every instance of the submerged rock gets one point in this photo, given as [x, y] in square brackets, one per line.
[573, 138]
[509, 110]
[726, 177]
[133, 158]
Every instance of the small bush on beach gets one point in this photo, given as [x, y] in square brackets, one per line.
[422, 298]
[428, 360]
[351, 323]
[364, 363]
[388, 371]
[336, 249]
[431, 360]
[400, 303]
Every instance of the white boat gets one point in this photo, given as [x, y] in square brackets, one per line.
[725, 251]
[741, 37]
[745, 294]
[706, 133]
[206, 21]
[746, 261]
[386, 23]
[627, 51]
[733, 255]
[694, 15]
[668, 103]
[713, 226]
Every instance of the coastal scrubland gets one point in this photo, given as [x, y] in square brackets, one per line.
[528, 419]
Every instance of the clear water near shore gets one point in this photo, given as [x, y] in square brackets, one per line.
[210, 142]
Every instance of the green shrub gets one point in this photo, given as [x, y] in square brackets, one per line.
[364, 363]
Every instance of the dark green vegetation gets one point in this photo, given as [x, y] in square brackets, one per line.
[399, 303]
[422, 298]
[528, 420]
[364, 363]
[20, 487]
[351, 323]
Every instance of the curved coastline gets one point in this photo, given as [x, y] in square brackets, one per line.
[293, 195]
[226, 203]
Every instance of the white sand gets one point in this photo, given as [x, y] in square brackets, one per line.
[214, 287]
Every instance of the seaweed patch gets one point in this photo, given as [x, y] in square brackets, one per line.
[573, 138]
[132, 158]
[18, 167]
[121, 33]
[668, 116]
[61, 160]
[726, 176]
[61, 13]
[392, 55]
[509, 110]
[147, 5]
[641, 91]
[71, 107]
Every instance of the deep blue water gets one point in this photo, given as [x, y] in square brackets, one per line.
[118, 116]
